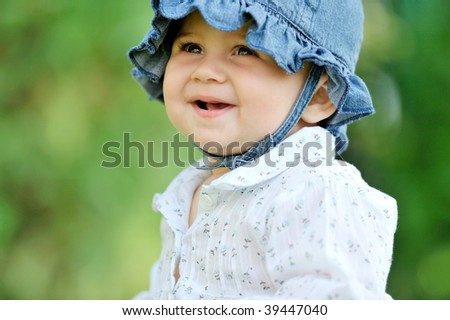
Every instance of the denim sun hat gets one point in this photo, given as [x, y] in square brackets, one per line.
[327, 33]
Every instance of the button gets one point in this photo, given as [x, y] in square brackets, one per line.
[206, 200]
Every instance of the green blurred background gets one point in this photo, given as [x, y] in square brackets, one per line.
[70, 229]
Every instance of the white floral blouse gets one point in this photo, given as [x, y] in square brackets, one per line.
[297, 225]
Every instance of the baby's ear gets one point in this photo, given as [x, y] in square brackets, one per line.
[320, 106]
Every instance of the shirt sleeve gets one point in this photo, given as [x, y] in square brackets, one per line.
[331, 238]
[157, 282]
[150, 294]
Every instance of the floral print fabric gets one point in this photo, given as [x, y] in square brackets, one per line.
[299, 224]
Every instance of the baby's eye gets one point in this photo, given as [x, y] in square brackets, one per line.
[245, 51]
[191, 48]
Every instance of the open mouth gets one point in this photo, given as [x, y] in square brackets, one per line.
[211, 106]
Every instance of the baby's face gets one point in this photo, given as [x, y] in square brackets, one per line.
[222, 94]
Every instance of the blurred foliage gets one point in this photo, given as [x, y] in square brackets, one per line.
[70, 229]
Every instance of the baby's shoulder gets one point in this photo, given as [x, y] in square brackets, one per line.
[336, 181]
[325, 174]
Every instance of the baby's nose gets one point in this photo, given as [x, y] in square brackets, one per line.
[209, 69]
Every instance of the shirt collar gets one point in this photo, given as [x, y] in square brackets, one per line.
[175, 202]
[308, 147]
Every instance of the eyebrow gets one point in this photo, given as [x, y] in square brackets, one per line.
[243, 32]
[183, 34]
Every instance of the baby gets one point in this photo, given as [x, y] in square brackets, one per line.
[266, 89]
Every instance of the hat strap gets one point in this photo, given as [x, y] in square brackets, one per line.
[211, 161]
